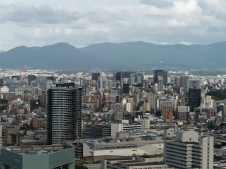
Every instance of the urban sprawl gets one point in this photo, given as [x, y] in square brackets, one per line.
[122, 120]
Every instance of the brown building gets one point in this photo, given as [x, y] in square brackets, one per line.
[10, 135]
[165, 108]
[131, 101]
[169, 116]
[38, 122]
[184, 80]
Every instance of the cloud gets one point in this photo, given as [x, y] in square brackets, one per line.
[173, 21]
[159, 3]
[29, 15]
[38, 33]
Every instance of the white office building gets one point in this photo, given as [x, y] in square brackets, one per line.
[118, 127]
[4, 89]
[189, 151]
[95, 148]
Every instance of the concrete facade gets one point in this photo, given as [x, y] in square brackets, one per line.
[131, 163]
[92, 148]
[37, 157]
[189, 151]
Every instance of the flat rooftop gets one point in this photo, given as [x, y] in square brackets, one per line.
[46, 149]
[131, 142]
[138, 163]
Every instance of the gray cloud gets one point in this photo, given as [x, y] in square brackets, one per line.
[158, 3]
[186, 21]
[26, 15]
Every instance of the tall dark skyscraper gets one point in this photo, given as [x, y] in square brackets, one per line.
[157, 73]
[120, 75]
[95, 76]
[1, 82]
[64, 111]
[194, 98]
[31, 78]
[125, 88]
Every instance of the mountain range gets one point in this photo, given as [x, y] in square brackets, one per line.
[125, 56]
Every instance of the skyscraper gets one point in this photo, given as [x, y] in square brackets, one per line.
[158, 73]
[64, 111]
[95, 76]
[1, 82]
[194, 83]
[194, 98]
[31, 78]
[160, 83]
[184, 80]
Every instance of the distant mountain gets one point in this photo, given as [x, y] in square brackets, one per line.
[127, 56]
[60, 56]
[147, 55]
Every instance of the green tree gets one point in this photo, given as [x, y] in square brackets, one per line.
[80, 166]
[210, 126]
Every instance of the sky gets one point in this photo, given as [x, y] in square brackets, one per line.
[85, 22]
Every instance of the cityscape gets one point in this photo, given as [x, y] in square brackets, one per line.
[126, 119]
[132, 84]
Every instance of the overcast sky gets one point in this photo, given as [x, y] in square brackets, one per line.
[84, 22]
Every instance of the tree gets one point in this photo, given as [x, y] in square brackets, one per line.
[80, 166]
[210, 126]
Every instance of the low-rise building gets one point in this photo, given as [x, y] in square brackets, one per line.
[97, 149]
[38, 157]
[97, 131]
[131, 163]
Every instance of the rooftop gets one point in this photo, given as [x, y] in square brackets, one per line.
[144, 163]
[37, 149]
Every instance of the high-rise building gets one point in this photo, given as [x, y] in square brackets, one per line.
[121, 75]
[34, 104]
[162, 73]
[64, 111]
[125, 89]
[166, 106]
[194, 83]
[151, 98]
[189, 150]
[160, 83]
[177, 81]
[139, 78]
[31, 78]
[184, 81]
[51, 78]
[194, 98]
[1, 82]
[222, 108]
[95, 76]
[37, 91]
[46, 84]
[132, 78]
[183, 112]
